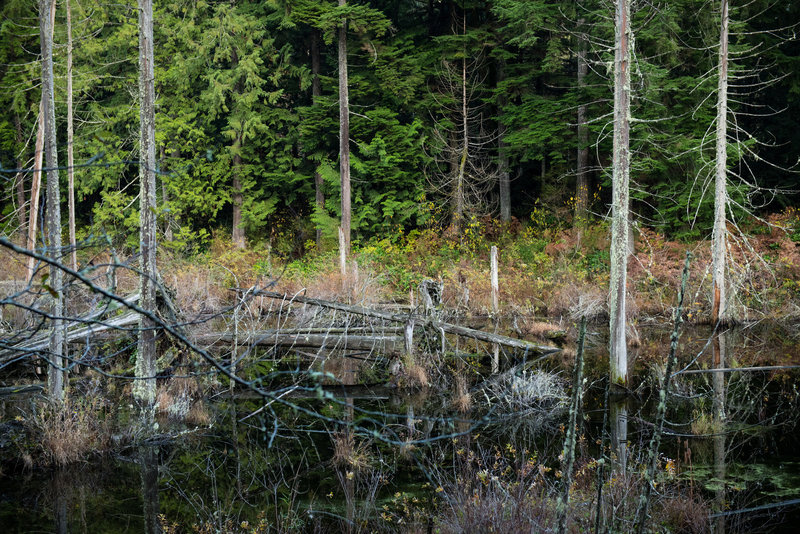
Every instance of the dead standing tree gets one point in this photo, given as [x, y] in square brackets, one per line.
[56, 375]
[38, 157]
[719, 236]
[741, 75]
[464, 172]
[618, 352]
[144, 390]
[344, 136]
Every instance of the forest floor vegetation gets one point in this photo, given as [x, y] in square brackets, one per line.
[545, 271]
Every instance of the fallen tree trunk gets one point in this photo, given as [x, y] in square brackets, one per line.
[326, 341]
[419, 320]
[763, 368]
[42, 340]
[73, 336]
[17, 390]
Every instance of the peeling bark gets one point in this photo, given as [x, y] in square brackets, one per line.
[618, 351]
[144, 389]
[720, 310]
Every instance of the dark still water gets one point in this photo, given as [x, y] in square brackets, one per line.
[473, 455]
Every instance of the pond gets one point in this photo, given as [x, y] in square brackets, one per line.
[362, 459]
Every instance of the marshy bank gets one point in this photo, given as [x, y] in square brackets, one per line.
[358, 438]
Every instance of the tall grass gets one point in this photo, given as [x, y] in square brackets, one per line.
[71, 431]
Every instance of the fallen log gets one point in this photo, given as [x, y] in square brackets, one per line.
[17, 390]
[419, 320]
[762, 368]
[266, 338]
[353, 392]
[75, 332]
[74, 335]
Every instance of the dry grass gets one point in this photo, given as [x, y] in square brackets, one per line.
[71, 431]
[348, 454]
[198, 288]
[541, 329]
[515, 392]
[491, 491]
[683, 512]
[177, 399]
[462, 400]
[704, 424]
[502, 489]
[14, 265]
[413, 373]
[360, 285]
[199, 414]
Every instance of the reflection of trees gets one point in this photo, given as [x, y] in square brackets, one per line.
[148, 465]
[60, 486]
[718, 417]
[619, 435]
[737, 415]
[241, 481]
[85, 498]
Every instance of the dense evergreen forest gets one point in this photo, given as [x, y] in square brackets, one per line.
[457, 111]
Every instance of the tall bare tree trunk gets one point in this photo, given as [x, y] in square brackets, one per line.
[316, 91]
[168, 236]
[144, 390]
[238, 196]
[36, 182]
[618, 351]
[19, 181]
[582, 176]
[458, 186]
[502, 154]
[720, 310]
[70, 139]
[56, 375]
[344, 132]
[38, 152]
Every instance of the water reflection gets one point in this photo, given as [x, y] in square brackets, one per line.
[61, 488]
[281, 466]
[618, 418]
[718, 417]
[148, 465]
